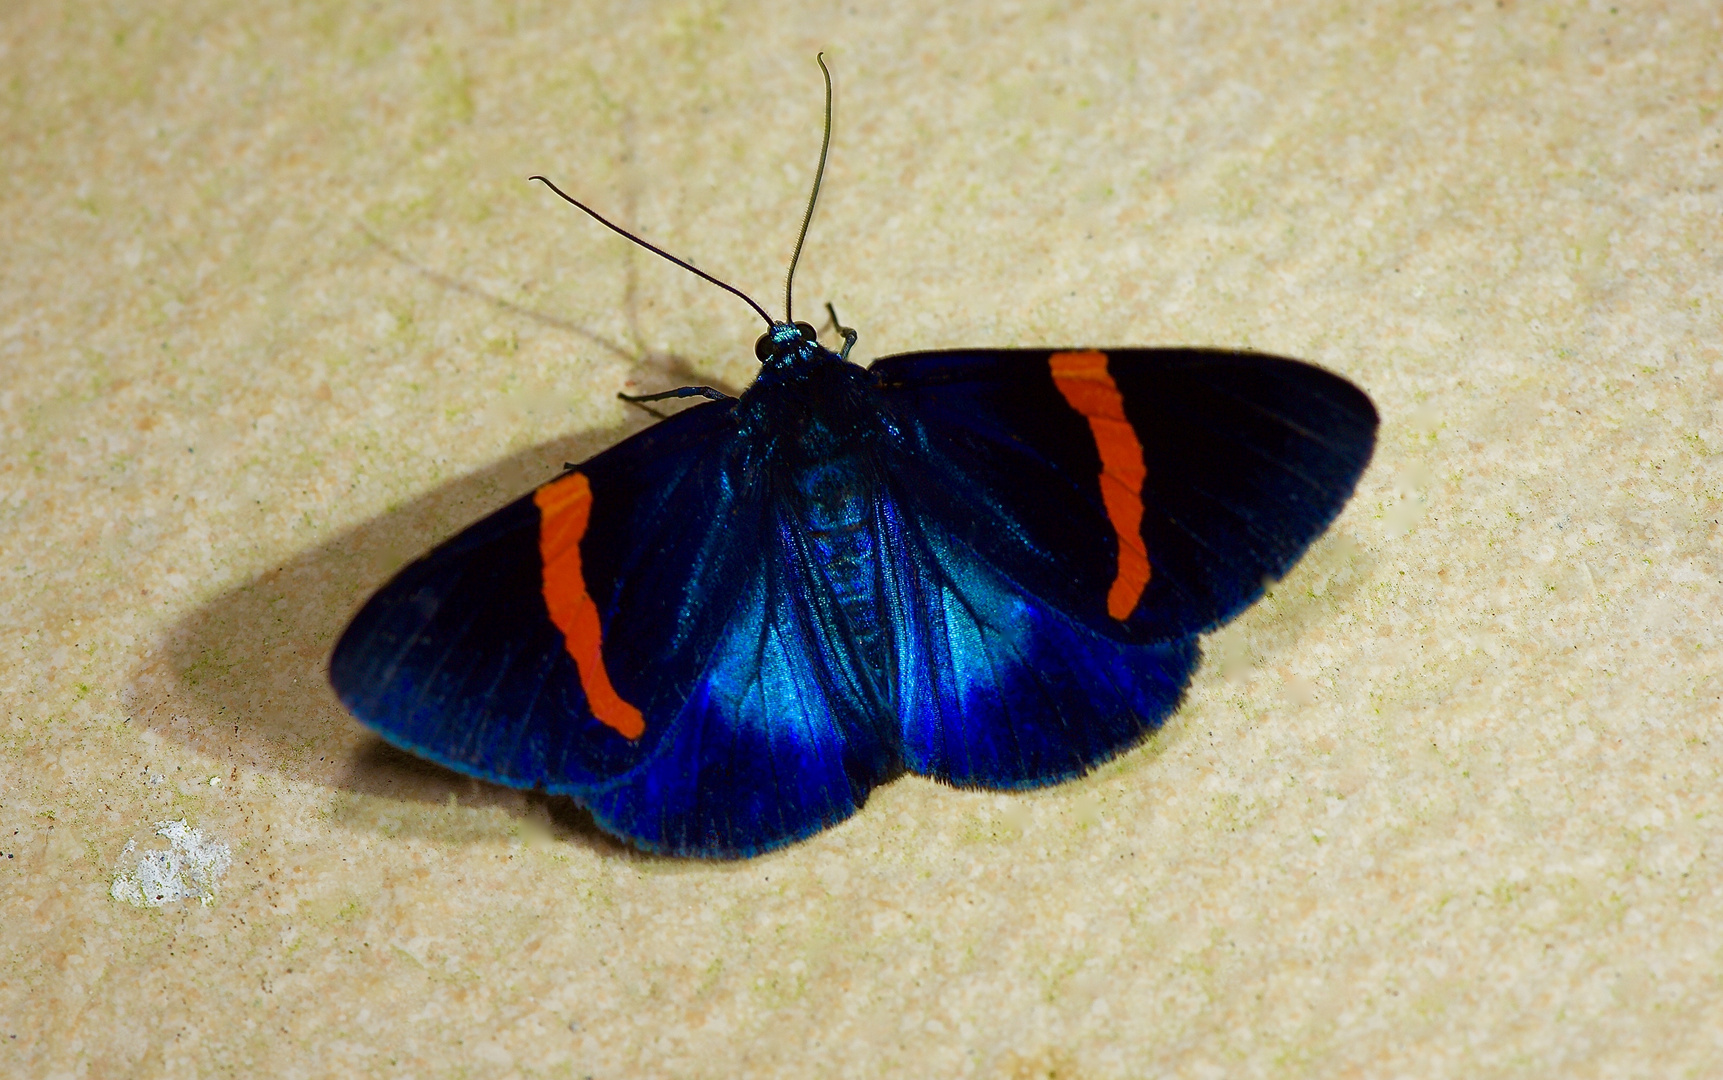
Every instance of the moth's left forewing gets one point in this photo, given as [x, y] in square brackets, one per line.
[499, 654]
[456, 660]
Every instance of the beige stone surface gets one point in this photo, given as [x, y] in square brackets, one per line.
[278, 311]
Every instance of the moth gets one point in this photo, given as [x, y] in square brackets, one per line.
[986, 566]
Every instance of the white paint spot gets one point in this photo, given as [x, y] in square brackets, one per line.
[1415, 477]
[187, 870]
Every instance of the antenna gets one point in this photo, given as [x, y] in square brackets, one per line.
[819, 174]
[690, 267]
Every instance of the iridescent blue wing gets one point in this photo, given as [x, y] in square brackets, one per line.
[996, 687]
[626, 635]
[1071, 520]
[773, 744]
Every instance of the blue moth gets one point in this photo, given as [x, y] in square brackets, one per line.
[985, 566]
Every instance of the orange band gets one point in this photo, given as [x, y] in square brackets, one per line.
[1083, 378]
[564, 508]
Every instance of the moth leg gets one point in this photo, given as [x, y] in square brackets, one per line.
[848, 333]
[640, 400]
[679, 392]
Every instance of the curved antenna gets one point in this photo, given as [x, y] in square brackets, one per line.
[656, 250]
[819, 174]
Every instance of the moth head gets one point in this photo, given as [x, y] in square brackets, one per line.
[784, 337]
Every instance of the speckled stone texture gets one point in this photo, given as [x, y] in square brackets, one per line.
[278, 310]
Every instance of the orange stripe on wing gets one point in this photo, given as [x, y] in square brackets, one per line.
[1082, 377]
[564, 508]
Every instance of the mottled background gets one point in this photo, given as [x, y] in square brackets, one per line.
[278, 310]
